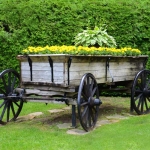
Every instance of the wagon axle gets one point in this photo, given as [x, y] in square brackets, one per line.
[10, 97]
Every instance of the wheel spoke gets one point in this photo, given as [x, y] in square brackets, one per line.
[13, 83]
[142, 104]
[85, 97]
[84, 111]
[85, 90]
[94, 109]
[138, 97]
[8, 112]
[17, 104]
[9, 81]
[12, 109]
[138, 91]
[84, 103]
[4, 102]
[89, 118]
[139, 102]
[4, 83]
[3, 112]
[148, 99]
[146, 105]
[93, 114]
[93, 92]
[91, 86]
[1, 91]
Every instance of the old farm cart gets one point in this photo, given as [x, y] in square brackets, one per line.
[75, 80]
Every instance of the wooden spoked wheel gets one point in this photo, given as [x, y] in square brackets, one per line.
[140, 92]
[88, 102]
[10, 102]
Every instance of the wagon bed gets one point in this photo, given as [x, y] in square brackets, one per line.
[68, 70]
[63, 72]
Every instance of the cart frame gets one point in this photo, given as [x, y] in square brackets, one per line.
[79, 86]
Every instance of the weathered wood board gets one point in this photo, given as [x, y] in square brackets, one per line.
[120, 68]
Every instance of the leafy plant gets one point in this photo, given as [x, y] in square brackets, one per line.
[96, 37]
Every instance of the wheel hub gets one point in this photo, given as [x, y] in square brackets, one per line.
[94, 101]
[146, 92]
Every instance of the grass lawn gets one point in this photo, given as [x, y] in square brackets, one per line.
[128, 134]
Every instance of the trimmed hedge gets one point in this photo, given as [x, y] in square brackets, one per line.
[26, 23]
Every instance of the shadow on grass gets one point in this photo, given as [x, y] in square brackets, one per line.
[110, 106]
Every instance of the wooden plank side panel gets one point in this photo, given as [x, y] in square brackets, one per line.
[129, 77]
[77, 70]
[102, 65]
[121, 68]
[121, 71]
[41, 71]
[76, 82]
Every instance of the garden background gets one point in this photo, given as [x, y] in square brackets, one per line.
[26, 23]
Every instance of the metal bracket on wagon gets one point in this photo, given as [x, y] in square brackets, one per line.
[30, 65]
[69, 64]
[51, 65]
[107, 69]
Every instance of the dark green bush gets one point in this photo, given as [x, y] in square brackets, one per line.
[26, 23]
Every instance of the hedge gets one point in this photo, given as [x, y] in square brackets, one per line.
[26, 23]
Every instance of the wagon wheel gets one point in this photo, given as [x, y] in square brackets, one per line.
[140, 92]
[10, 103]
[88, 102]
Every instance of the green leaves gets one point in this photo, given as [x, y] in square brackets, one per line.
[57, 22]
[96, 37]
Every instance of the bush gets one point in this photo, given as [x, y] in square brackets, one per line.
[26, 23]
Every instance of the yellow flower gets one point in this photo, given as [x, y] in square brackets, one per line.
[82, 50]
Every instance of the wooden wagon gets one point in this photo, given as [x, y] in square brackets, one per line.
[75, 80]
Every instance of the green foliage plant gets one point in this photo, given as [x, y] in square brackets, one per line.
[96, 37]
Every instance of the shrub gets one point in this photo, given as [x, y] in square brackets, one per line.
[26, 23]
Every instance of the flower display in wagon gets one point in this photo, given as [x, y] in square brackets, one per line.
[82, 50]
[89, 42]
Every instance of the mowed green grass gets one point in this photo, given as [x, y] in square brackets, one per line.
[128, 134]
